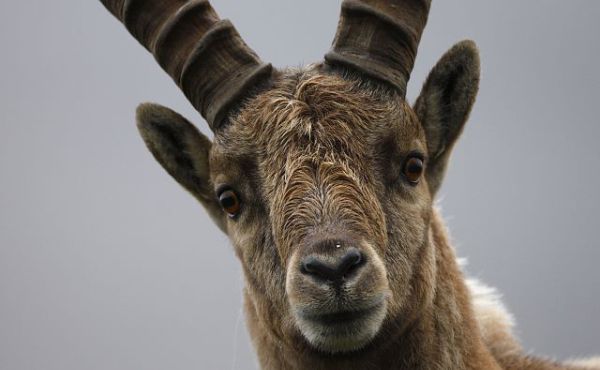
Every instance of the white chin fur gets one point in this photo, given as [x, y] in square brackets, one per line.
[345, 337]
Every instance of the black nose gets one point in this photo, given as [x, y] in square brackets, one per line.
[332, 268]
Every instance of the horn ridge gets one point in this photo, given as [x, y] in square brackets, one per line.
[204, 55]
[144, 19]
[231, 63]
[380, 38]
[180, 33]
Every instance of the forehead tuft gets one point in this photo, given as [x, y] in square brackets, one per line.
[310, 107]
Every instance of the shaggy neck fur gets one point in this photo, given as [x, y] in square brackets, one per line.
[443, 335]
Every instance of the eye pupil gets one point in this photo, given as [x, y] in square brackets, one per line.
[230, 202]
[413, 169]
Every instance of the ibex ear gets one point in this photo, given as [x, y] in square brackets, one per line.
[445, 104]
[183, 151]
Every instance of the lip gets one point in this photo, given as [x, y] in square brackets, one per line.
[342, 317]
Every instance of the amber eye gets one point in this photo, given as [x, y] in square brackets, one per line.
[230, 202]
[413, 169]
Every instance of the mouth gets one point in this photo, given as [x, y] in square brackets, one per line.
[340, 317]
[343, 330]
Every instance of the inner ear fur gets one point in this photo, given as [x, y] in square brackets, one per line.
[445, 103]
[182, 150]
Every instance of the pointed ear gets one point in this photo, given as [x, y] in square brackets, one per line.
[183, 151]
[445, 104]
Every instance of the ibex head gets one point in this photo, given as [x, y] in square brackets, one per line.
[323, 178]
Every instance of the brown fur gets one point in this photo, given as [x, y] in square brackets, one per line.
[319, 155]
[347, 264]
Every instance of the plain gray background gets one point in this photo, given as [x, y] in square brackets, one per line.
[105, 263]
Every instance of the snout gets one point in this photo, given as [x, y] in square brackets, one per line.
[338, 292]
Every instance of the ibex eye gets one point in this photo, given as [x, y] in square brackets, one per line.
[413, 169]
[230, 202]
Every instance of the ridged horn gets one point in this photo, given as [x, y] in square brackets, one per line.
[205, 55]
[379, 38]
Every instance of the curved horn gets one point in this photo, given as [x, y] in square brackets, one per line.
[205, 56]
[380, 38]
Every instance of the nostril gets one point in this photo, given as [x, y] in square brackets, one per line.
[345, 266]
[309, 265]
[350, 262]
[313, 266]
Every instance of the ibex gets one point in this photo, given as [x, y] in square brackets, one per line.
[324, 179]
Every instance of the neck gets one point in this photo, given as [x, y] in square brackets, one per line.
[443, 334]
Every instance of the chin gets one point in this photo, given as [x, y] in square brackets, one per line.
[341, 331]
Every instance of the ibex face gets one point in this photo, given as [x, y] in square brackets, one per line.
[323, 178]
[321, 167]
